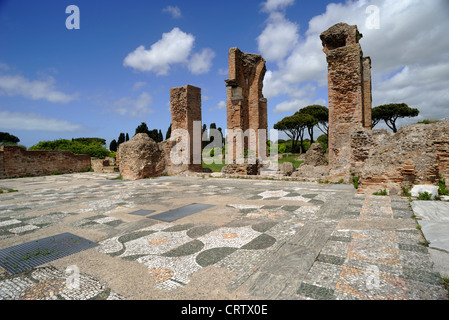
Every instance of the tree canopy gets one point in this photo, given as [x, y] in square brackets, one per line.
[390, 113]
[321, 114]
[93, 147]
[294, 127]
[5, 137]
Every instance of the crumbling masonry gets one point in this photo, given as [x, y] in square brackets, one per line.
[185, 107]
[246, 105]
[349, 80]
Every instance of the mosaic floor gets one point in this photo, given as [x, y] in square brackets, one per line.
[279, 239]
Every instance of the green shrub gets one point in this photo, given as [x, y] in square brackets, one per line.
[442, 186]
[405, 192]
[355, 181]
[424, 196]
[92, 147]
[382, 192]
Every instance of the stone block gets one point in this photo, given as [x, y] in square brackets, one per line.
[417, 189]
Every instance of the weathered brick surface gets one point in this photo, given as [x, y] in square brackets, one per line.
[349, 81]
[416, 154]
[17, 162]
[246, 105]
[185, 106]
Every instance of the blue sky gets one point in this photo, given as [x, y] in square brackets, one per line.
[116, 70]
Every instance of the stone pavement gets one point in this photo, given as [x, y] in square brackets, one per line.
[262, 239]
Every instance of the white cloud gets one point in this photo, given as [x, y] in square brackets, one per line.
[174, 47]
[274, 5]
[278, 38]
[223, 72]
[409, 54]
[134, 107]
[201, 62]
[139, 85]
[220, 106]
[35, 122]
[14, 85]
[174, 11]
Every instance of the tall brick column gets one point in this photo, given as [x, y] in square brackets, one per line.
[185, 107]
[246, 105]
[349, 80]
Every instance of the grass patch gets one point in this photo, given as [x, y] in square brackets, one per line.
[424, 196]
[214, 167]
[12, 190]
[292, 159]
[382, 192]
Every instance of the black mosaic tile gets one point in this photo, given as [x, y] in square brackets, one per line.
[185, 249]
[261, 242]
[315, 292]
[412, 247]
[422, 276]
[330, 259]
[212, 256]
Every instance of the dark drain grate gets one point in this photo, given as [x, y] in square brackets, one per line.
[142, 212]
[182, 212]
[34, 253]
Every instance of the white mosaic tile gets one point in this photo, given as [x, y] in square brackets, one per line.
[228, 237]
[22, 229]
[9, 222]
[156, 243]
[105, 220]
[110, 245]
[272, 194]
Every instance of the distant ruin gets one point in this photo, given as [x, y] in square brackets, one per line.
[17, 162]
[185, 108]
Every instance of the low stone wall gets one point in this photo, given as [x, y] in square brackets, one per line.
[17, 162]
[416, 154]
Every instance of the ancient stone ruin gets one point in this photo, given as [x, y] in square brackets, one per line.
[416, 154]
[17, 162]
[142, 157]
[185, 107]
[349, 81]
[246, 105]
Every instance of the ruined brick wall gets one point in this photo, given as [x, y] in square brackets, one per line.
[185, 106]
[17, 162]
[416, 154]
[349, 92]
[246, 105]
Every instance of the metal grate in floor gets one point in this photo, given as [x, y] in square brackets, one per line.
[182, 212]
[142, 212]
[31, 254]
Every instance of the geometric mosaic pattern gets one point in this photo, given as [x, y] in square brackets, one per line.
[373, 264]
[272, 226]
[173, 253]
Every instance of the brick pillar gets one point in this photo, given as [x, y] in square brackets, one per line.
[246, 105]
[367, 93]
[185, 107]
[349, 91]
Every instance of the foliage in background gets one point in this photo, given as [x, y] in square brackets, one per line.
[92, 147]
[390, 113]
